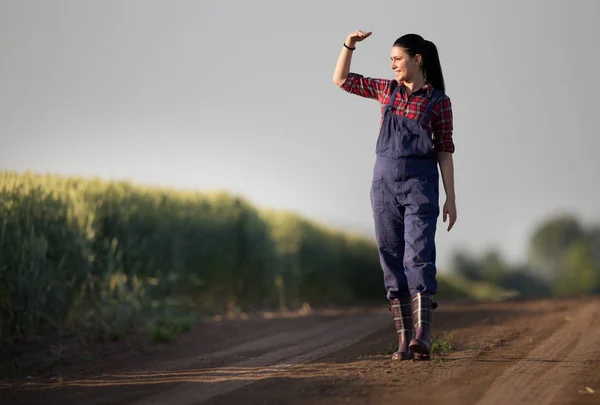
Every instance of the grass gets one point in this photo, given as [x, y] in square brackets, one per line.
[164, 330]
[390, 348]
[87, 356]
[161, 334]
[440, 347]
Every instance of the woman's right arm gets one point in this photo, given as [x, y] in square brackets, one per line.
[354, 83]
[342, 69]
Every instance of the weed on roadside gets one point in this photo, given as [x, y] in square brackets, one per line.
[161, 334]
[439, 346]
[390, 348]
[87, 356]
[164, 330]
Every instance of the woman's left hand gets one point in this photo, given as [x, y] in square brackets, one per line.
[450, 211]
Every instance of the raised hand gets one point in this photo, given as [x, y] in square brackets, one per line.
[357, 36]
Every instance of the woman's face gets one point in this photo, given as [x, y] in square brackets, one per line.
[404, 66]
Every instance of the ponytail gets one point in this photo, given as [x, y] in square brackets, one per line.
[432, 68]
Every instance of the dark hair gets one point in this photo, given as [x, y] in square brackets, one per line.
[415, 44]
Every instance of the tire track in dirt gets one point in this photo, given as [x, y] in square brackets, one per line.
[327, 339]
[259, 345]
[209, 374]
[543, 374]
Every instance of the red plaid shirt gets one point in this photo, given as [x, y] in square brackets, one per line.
[412, 107]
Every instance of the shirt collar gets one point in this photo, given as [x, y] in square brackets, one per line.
[427, 88]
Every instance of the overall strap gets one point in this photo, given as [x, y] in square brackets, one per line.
[394, 86]
[435, 97]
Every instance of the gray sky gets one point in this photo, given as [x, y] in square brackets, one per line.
[237, 95]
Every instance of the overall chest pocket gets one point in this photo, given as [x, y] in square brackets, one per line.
[416, 144]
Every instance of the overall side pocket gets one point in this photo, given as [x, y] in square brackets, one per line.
[377, 202]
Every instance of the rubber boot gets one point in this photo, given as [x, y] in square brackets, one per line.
[402, 312]
[422, 308]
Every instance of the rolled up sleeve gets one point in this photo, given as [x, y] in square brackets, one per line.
[443, 127]
[367, 87]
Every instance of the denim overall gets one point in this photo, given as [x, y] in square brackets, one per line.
[404, 198]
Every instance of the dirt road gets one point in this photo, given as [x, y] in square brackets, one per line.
[543, 352]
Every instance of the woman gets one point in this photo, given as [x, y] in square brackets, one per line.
[415, 136]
